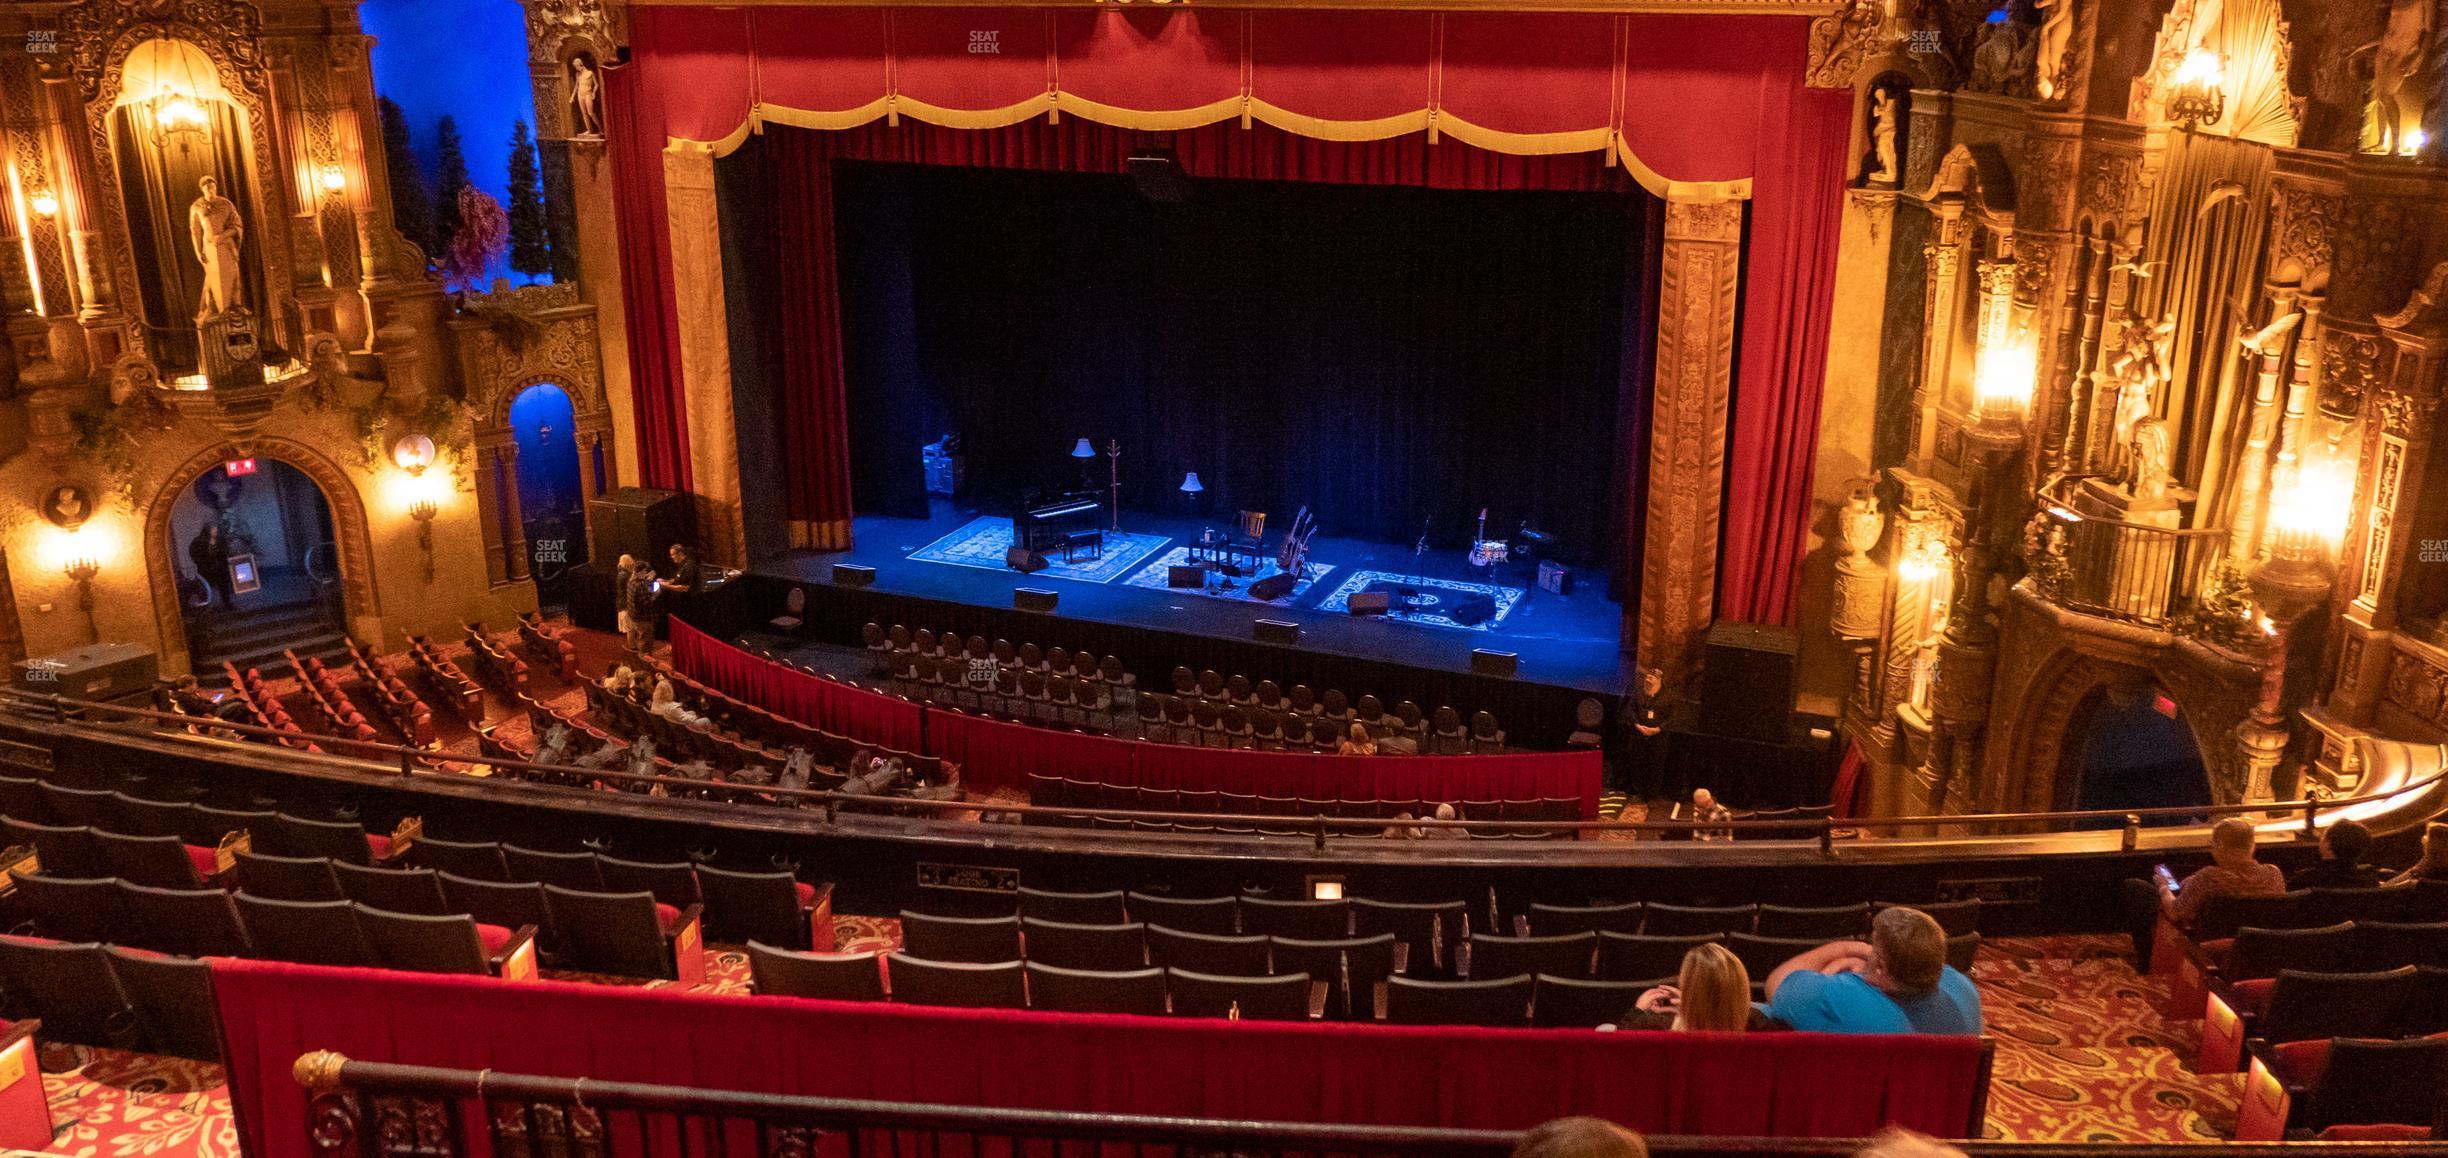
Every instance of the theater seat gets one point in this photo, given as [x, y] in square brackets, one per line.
[780, 972]
[773, 907]
[1288, 997]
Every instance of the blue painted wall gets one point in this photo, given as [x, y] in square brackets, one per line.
[466, 59]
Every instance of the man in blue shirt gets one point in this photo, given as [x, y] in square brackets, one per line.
[1897, 982]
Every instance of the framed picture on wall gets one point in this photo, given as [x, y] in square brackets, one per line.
[243, 577]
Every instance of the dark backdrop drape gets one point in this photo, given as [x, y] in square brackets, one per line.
[1381, 355]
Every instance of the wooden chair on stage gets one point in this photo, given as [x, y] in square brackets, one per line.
[1249, 538]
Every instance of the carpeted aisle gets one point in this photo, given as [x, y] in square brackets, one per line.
[2083, 1056]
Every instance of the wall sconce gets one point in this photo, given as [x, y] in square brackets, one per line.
[2003, 381]
[82, 569]
[2197, 94]
[334, 178]
[423, 511]
[413, 453]
[2411, 144]
[46, 204]
[1923, 563]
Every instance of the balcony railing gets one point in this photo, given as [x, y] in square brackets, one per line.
[2102, 565]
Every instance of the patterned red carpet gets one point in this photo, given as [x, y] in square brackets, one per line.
[2083, 1055]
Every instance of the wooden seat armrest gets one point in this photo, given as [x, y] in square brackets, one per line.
[1317, 1000]
[517, 959]
[1402, 957]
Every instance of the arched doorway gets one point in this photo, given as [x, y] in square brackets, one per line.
[338, 579]
[2130, 747]
[551, 491]
[254, 546]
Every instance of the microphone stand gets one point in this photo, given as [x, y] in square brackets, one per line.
[1411, 592]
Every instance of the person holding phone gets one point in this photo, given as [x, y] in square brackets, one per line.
[1712, 992]
[2232, 871]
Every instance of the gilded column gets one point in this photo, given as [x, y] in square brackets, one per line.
[1701, 272]
[705, 353]
[513, 521]
[488, 512]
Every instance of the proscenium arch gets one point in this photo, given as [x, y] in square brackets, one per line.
[339, 494]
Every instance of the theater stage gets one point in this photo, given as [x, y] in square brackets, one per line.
[1569, 645]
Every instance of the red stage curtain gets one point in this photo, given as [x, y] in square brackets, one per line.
[1789, 278]
[1678, 99]
[1776, 1084]
[658, 406]
[815, 414]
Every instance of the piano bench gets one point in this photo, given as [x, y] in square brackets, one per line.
[1093, 542]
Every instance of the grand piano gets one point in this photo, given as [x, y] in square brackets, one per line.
[1040, 522]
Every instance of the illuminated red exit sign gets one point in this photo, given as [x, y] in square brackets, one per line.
[238, 466]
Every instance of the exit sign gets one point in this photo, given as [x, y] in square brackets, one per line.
[238, 466]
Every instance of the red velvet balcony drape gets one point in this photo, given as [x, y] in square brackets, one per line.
[995, 755]
[1688, 105]
[1777, 1084]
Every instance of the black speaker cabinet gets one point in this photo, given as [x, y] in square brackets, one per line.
[1495, 663]
[593, 602]
[1177, 576]
[1023, 560]
[1369, 603]
[1272, 588]
[1281, 631]
[101, 671]
[1473, 611]
[1747, 682]
[643, 522]
[853, 575]
[1033, 599]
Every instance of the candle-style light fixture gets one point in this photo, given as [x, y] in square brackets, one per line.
[2197, 94]
[82, 569]
[179, 122]
[424, 511]
[334, 178]
[45, 204]
[2307, 524]
[2003, 380]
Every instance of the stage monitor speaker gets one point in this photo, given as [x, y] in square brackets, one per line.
[1033, 599]
[853, 575]
[1272, 588]
[642, 522]
[1473, 611]
[1369, 603]
[1024, 560]
[1747, 682]
[1159, 176]
[594, 597]
[1177, 576]
[1282, 631]
[1495, 663]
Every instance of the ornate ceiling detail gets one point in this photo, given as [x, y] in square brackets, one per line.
[98, 34]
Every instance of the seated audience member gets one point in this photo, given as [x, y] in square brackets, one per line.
[1712, 992]
[2341, 864]
[1579, 1138]
[2232, 871]
[1403, 828]
[1446, 812]
[1706, 810]
[1358, 743]
[2433, 864]
[1898, 982]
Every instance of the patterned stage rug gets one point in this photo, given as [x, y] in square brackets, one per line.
[1152, 577]
[981, 541]
[1446, 593]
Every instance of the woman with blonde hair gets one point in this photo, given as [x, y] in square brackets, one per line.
[1358, 743]
[1712, 993]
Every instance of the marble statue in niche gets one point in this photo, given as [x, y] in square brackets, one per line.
[1886, 132]
[586, 98]
[2400, 56]
[2056, 36]
[215, 227]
